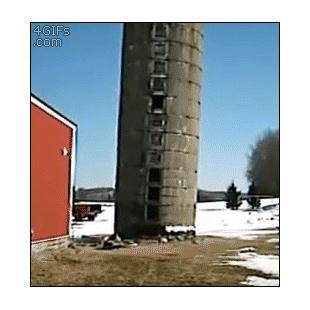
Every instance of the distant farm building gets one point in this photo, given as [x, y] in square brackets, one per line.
[96, 194]
[52, 172]
[89, 202]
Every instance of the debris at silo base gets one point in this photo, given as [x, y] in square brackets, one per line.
[103, 242]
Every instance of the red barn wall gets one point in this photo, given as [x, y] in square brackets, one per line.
[50, 175]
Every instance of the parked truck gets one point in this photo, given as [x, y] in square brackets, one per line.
[86, 210]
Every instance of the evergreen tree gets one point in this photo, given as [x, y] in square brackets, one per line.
[233, 197]
[254, 202]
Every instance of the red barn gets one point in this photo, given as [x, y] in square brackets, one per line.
[52, 172]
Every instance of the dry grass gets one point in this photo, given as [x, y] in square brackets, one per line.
[149, 264]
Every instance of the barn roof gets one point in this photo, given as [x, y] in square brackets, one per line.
[52, 109]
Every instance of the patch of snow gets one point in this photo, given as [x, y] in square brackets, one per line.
[243, 237]
[273, 240]
[259, 281]
[248, 250]
[179, 228]
[268, 264]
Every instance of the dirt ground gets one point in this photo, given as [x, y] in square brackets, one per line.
[149, 264]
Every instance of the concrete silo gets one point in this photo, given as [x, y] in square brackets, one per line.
[158, 132]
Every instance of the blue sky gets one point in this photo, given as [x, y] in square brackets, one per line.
[239, 97]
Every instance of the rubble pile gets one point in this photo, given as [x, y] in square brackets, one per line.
[110, 242]
[102, 242]
[178, 236]
[115, 242]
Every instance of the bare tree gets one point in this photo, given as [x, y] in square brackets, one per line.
[264, 163]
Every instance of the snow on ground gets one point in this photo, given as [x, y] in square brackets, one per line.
[248, 258]
[179, 228]
[103, 223]
[214, 219]
[273, 240]
[268, 264]
[258, 281]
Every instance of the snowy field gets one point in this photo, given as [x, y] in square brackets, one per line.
[212, 219]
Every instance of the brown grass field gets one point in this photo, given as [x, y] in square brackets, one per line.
[149, 264]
